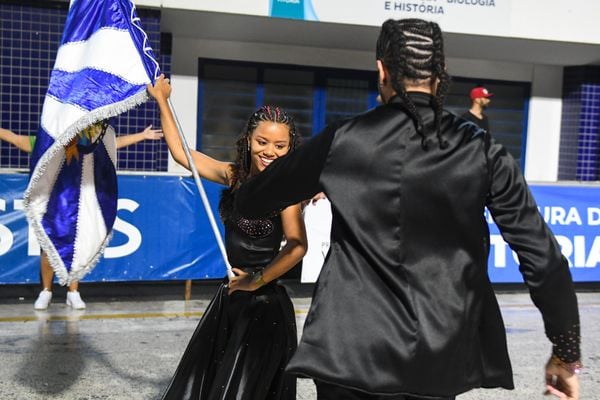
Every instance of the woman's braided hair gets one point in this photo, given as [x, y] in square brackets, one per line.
[413, 50]
[242, 164]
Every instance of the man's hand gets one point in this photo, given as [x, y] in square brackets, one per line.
[561, 381]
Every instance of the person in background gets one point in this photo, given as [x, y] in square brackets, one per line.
[480, 101]
[26, 144]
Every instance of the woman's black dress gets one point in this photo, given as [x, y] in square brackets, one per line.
[244, 341]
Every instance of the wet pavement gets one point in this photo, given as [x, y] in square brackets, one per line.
[128, 349]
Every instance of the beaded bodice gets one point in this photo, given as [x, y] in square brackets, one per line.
[250, 243]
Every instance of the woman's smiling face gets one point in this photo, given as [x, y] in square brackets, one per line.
[269, 141]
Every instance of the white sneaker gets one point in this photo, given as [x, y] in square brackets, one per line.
[43, 300]
[74, 300]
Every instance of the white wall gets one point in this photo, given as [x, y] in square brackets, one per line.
[185, 102]
[557, 20]
[186, 52]
[543, 133]
[569, 21]
[489, 69]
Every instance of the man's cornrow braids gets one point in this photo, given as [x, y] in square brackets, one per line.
[440, 73]
[413, 49]
[394, 55]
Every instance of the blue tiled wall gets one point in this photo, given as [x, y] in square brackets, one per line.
[580, 129]
[29, 37]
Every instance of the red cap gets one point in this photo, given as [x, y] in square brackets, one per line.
[479, 92]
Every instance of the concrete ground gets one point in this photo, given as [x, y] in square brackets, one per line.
[128, 349]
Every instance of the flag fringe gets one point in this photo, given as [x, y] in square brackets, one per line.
[76, 276]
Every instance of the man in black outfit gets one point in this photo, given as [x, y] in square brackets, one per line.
[404, 308]
[480, 100]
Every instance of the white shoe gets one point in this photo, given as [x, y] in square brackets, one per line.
[43, 300]
[74, 300]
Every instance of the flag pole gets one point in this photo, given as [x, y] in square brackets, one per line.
[211, 217]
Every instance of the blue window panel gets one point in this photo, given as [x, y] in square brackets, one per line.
[580, 129]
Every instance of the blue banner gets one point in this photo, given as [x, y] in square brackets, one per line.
[162, 233]
[573, 214]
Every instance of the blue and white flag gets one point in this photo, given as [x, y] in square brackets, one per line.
[102, 67]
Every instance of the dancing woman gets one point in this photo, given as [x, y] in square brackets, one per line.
[248, 332]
